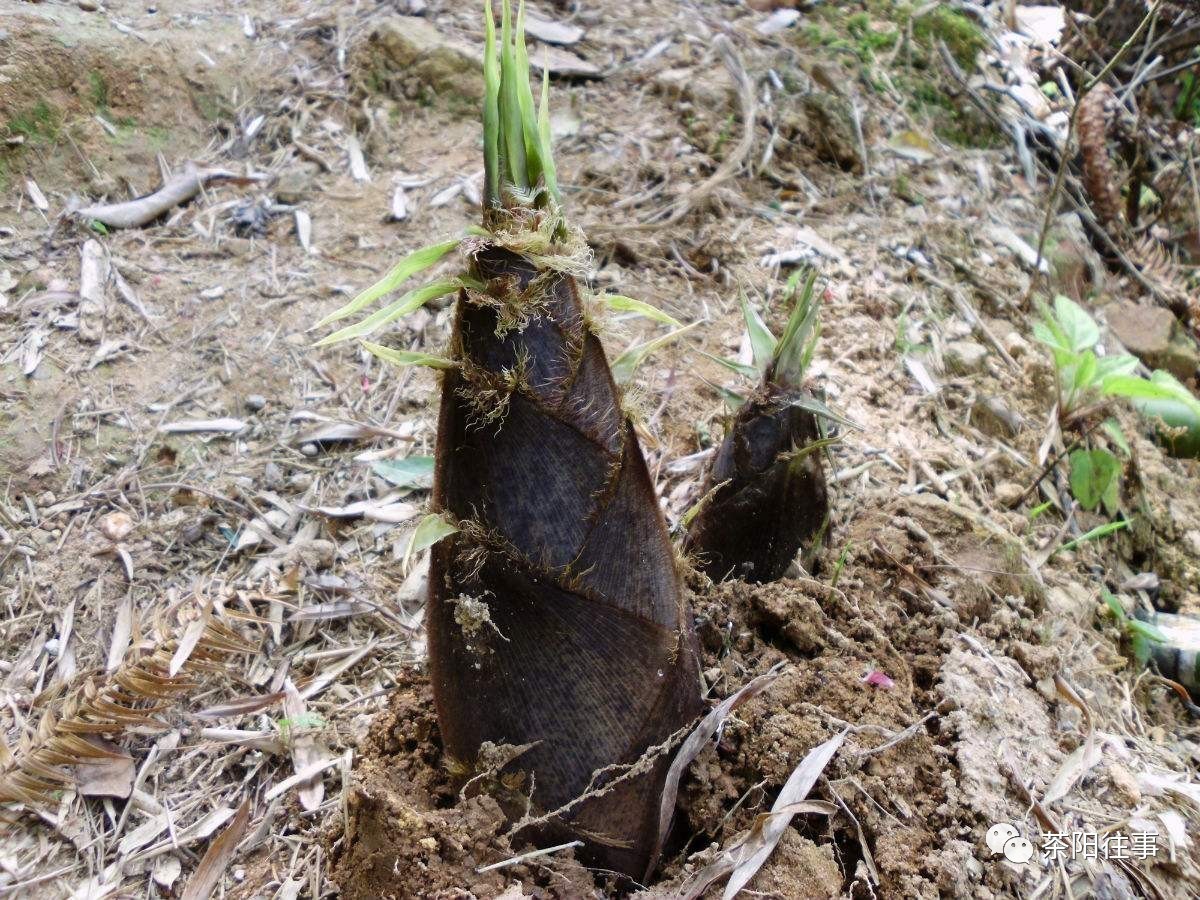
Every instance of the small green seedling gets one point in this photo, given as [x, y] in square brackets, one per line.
[1088, 383]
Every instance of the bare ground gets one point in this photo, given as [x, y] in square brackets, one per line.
[940, 586]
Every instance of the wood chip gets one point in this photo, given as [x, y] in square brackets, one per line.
[94, 269]
[36, 195]
[358, 165]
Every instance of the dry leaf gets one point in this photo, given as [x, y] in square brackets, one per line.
[241, 707]
[108, 776]
[191, 637]
[218, 856]
[691, 747]
[166, 871]
[551, 32]
[122, 629]
[307, 752]
[36, 195]
[304, 230]
[358, 165]
[795, 789]
[384, 509]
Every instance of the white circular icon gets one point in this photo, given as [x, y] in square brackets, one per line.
[1018, 850]
[999, 834]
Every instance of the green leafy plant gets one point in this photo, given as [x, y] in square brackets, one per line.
[1087, 386]
[555, 617]
[1141, 637]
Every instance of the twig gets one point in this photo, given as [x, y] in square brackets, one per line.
[902, 736]
[532, 854]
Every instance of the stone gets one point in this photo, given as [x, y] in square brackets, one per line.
[1009, 494]
[294, 185]
[965, 357]
[993, 417]
[1152, 334]
[255, 402]
[414, 52]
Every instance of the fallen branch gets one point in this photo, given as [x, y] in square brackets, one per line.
[177, 189]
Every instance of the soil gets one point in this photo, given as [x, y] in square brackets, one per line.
[931, 627]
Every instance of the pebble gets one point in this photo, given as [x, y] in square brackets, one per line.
[965, 357]
[116, 526]
[1009, 493]
[255, 402]
[87, 5]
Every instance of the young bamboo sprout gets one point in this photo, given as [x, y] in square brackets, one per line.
[765, 496]
[556, 620]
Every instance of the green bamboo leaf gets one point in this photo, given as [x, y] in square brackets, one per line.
[1151, 632]
[1140, 645]
[429, 531]
[1114, 605]
[408, 303]
[417, 261]
[627, 363]
[762, 342]
[515, 166]
[1095, 479]
[692, 511]
[409, 357]
[628, 304]
[1084, 373]
[733, 366]
[549, 171]
[1112, 366]
[491, 107]
[799, 339]
[529, 127]
[411, 472]
[817, 408]
[1165, 400]
[732, 399]
[1094, 534]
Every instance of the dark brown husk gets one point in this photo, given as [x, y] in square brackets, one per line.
[589, 654]
[771, 501]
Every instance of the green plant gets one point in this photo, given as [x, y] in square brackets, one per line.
[765, 496]
[1141, 637]
[1087, 386]
[39, 123]
[98, 91]
[555, 618]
